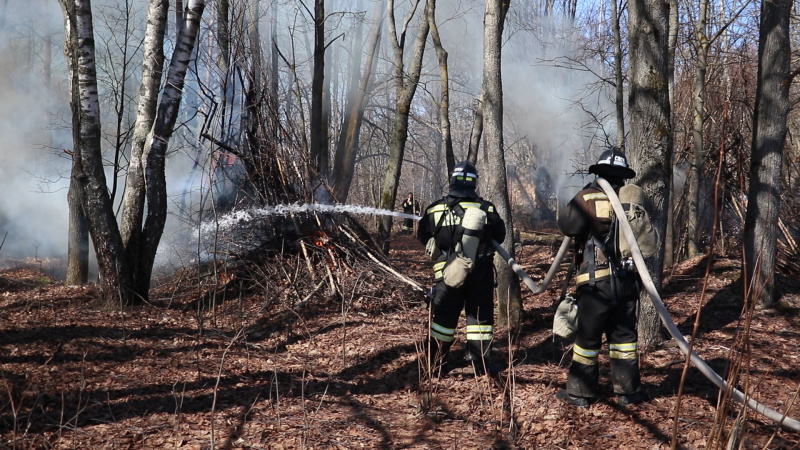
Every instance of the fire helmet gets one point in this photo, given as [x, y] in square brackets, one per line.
[612, 164]
[463, 180]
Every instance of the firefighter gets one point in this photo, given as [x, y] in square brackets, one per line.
[607, 291]
[410, 206]
[442, 231]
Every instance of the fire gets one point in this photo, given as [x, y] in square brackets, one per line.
[320, 238]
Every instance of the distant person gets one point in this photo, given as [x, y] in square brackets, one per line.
[462, 249]
[607, 291]
[410, 206]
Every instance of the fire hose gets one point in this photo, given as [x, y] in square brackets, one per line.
[666, 319]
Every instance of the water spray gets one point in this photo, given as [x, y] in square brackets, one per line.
[239, 217]
[243, 216]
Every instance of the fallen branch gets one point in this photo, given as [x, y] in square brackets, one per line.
[383, 266]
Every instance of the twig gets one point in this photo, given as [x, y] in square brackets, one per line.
[383, 266]
[308, 261]
[219, 376]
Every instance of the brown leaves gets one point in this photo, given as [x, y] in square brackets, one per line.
[343, 373]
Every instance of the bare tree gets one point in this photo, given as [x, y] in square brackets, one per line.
[672, 44]
[405, 88]
[769, 135]
[78, 237]
[126, 253]
[619, 88]
[444, 102]
[508, 288]
[651, 132]
[319, 133]
[347, 145]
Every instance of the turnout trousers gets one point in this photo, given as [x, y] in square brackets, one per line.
[476, 299]
[597, 315]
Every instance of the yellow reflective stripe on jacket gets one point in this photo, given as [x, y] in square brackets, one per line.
[595, 196]
[598, 274]
[480, 332]
[438, 269]
[441, 333]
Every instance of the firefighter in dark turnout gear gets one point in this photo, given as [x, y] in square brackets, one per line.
[607, 290]
[442, 226]
[410, 206]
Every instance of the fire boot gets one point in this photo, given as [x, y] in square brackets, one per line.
[436, 355]
[479, 354]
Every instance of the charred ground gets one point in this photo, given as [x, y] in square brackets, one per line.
[319, 350]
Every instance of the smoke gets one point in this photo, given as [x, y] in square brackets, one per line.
[551, 92]
[545, 102]
[34, 169]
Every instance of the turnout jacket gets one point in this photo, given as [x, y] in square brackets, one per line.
[446, 214]
[587, 218]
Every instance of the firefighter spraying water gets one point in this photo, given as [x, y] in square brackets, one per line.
[458, 231]
[626, 232]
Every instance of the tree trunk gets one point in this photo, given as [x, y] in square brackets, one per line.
[475, 136]
[405, 87]
[651, 132]
[509, 298]
[769, 134]
[78, 241]
[672, 44]
[619, 88]
[698, 110]
[347, 146]
[444, 103]
[155, 153]
[318, 135]
[125, 270]
[133, 202]
[89, 175]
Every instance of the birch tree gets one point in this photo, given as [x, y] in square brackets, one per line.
[126, 252]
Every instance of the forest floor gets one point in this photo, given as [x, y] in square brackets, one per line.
[274, 367]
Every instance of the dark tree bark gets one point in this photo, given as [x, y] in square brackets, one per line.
[88, 173]
[619, 89]
[319, 136]
[650, 147]
[769, 135]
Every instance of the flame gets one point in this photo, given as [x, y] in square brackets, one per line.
[320, 238]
